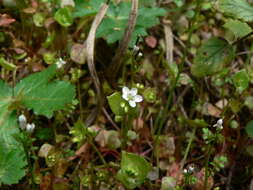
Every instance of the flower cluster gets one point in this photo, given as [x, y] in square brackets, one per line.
[29, 127]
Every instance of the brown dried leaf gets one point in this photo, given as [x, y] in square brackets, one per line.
[213, 110]
[222, 103]
[200, 185]
[78, 53]
[6, 20]
[101, 138]
[45, 149]
[138, 123]
[46, 183]
[151, 41]
[29, 10]
[165, 146]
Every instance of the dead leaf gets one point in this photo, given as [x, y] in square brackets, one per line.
[222, 103]
[213, 110]
[165, 146]
[151, 41]
[29, 10]
[138, 123]
[78, 53]
[6, 20]
[209, 109]
[46, 183]
[101, 138]
[200, 185]
[45, 149]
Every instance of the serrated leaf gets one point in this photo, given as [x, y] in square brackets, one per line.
[34, 81]
[12, 155]
[249, 128]
[8, 125]
[211, 57]
[42, 96]
[238, 28]
[241, 80]
[240, 9]
[12, 164]
[134, 170]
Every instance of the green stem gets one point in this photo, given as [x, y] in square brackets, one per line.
[188, 148]
[206, 165]
[98, 152]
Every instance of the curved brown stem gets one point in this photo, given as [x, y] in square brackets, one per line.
[90, 43]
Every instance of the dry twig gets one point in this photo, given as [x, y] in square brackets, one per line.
[169, 43]
[123, 45]
[90, 43]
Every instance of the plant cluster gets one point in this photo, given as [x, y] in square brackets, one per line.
[176, 114]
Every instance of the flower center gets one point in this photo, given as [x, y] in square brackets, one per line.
[130, 97]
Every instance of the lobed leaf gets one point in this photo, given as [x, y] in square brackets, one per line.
[43, 96]
[12, 164]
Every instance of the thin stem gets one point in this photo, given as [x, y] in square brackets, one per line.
[188, 148]
[98, 152]
[206, 165]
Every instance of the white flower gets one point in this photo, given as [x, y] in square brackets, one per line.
[30, 127]
[131, 96]
[140, 54]
[136, 48]
[22, 121]
[60, 62]
[219, 124]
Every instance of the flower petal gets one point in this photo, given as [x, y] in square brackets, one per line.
[138, 98]
[133, 91]
[132, 103]
[125, 92]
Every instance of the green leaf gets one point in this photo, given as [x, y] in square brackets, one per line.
[241, 80]
[12, 159]
[238, 28]
[7, 65]
[133, 171]
[86, 7]
[64, 16]
[8, 125]
[12, 164]
[42, 96]
[115, 101]
[211, 57]
[113, 26]
[249, 128]
[240, 9]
